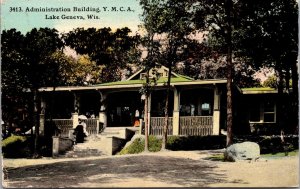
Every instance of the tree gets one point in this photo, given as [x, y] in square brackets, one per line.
[13, 81]
[273, 26]
[170, 21]
[24, 58]
[113, 50]
[217, 18]
[74, 71]
[38, 45]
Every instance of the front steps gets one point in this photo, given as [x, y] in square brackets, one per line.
[110, 141]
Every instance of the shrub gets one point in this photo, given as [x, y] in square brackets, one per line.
[176, 143]
[16, 147]
[196, 142]
[138, 146]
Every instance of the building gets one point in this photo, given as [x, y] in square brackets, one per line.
[197, 107]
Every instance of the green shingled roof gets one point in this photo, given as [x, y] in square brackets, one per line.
[139, 81]
[259, 89]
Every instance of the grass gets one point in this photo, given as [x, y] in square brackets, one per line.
[220, 157]
[281, 154]
[217, 157]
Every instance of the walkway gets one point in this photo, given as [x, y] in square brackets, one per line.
[163, 169]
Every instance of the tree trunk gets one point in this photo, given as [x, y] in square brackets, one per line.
[146, 118]
[228, 4]
[287, 78]
[280, 102]
[295, 93]
[146, 124]
[166, 121]
[36, 122]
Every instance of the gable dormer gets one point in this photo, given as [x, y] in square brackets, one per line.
[161, 71]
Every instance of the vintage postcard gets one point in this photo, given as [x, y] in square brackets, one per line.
[149, 93]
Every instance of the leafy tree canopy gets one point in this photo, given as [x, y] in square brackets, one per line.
[114, 50]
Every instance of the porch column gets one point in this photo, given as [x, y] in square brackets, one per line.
[216, 112]
[76, 109]
[42, 116]
[102, 112]
[176, 112]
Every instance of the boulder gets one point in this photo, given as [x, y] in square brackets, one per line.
[242, 151]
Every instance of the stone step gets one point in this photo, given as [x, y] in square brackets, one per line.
[106, 143]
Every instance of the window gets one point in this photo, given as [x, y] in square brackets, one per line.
[269, 112]
[205, 107]
[264, 112]
[142, 75]
[255, 113]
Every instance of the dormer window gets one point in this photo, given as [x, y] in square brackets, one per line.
[142, 75]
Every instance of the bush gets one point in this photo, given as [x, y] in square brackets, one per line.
[138, 146]
[176, 143]
[196, 142]
[271, 144]
[16, 147]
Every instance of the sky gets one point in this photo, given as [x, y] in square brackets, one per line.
[119, 13]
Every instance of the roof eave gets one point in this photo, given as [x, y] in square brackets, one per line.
[77, 88]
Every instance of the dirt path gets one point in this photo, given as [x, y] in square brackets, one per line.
[163, 169]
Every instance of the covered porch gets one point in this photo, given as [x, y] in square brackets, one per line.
[194, 107]
[195, 111]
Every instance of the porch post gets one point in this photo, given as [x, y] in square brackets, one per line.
[102, 112]
[42, 116]
[76, 109]
[176, 112]
[216, 112]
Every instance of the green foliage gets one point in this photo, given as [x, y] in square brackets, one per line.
[13, 140]
[272, 82]
[281, 154]
[217, 157]
[138, 146]
[196, 142]
[75, 71]
[114, 50]
[16, 147]
[176, 143]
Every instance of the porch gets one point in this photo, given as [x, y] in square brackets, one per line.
[188, 125]
[194, 108]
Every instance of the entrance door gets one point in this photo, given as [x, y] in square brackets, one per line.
[121, 108]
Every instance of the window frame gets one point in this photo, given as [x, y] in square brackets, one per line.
[262, 114]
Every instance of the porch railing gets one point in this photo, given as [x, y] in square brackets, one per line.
[63, 125]
[92, 126]
[157, 125]
[196, 125]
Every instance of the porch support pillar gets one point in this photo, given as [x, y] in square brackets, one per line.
[176, 111]
[102, 112]
[216, 112]
[76, 109]
[42, 116]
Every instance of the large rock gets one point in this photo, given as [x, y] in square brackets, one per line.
[242, 151]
